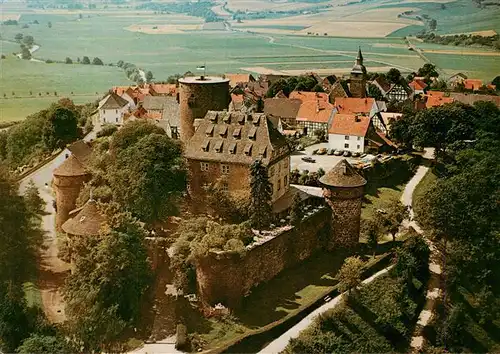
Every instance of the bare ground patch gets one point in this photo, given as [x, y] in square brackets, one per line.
[163, 29]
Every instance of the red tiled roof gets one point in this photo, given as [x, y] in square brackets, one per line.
[350, 124]
[472, 84]
[236, 98]
[119, 90]
[417, 85]
[346, 105]
[164, 89]
[235, 79]
[315, 111]
[435, 93]
[434, 101]
[308, 96]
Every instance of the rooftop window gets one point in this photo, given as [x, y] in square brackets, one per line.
[223, 130]
[218, 146]
[213, 117]
[232, 148]
[252, 133]
[241, 119]
[205, 145]
[227, 118]
[237, 133]
[210, 130]
[248, 149]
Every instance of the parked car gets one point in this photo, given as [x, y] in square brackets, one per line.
[308, 159]
[322, 151]
[338, 152]
[346, 154]
[315, 151]
[331, 151]
[355, 154]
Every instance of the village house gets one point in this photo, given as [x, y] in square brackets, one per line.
[314, 115]
[437, 98]
[399, 92]
[456, 79]
[241, 80]
[154, 105]
[355, 133]
[418, 86]
[285, 108]
[304, 96]
[224, 146]
[112, 109]
[472, 84]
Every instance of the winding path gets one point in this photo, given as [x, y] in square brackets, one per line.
[280, 343]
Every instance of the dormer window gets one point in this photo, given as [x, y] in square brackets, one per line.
[256, 120]
[252, 133]
[205, 145]
[227, 118]
[213, 118]
[210, 130]
[218, 146]
[237, 133]
[232, 148]
[262, 151]
[241, 119]
[248, 149]
[223, 131]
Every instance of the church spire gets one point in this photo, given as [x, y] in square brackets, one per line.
[359, 58]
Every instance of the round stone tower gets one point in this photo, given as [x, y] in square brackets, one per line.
[67, 182]
[343, 189]
[197, 96]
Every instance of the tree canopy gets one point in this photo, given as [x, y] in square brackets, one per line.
[261, 193]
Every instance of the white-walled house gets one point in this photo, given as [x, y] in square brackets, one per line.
[111, 109]
[129, 99]
[348, 132]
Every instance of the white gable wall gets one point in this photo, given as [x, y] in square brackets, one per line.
[350, 143]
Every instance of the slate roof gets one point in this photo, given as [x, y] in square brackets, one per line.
[171, 112]
[354, 105]
[71, 167]
[338, 90]
[155, 102]
[81, 150]
[113, 101]
[87, 222]
[235, 137]
[282, 107]
[382, 84]
[315, 111]
[349, 124]
[342, 175]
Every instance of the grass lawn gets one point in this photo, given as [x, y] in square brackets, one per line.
[423, 186]
[380, 199]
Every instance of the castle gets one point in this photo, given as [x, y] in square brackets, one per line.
[221, 144]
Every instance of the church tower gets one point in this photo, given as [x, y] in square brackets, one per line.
[358, 77]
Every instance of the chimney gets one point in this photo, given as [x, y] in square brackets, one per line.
[357, 118]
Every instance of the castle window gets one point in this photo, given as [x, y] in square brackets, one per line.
[205, 145]
[204, 166]
[224, 169]
[232, 148]
[237, 133]
[248, 149]
[210, 130]
[285, 181]
[218, 146]
[223, 130]
[252, 133]
[225, 187]
[279, 184]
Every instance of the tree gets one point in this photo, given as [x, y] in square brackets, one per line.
[401, 130]
[320, 134]
[34, 202]
[68, 60]
[111, 274]
[44, 344]
[18, 37]
[120, 63]
[394, 76]
[496, 82]
[428, 70]
[131, 133]
[25, 53]
[49, 24]
[261, 192]
[433, 24]
[149, 76]
[396, 213]
[349, 276]
[374, 92]
[61, 127]
[372, 230]
[95, 61]
[296, 212]
[149, 176]
[85, 60]
[29, 41]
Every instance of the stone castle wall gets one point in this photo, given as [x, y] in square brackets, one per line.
[227, 277]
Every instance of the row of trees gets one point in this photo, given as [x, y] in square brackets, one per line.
[460, 210]
[462, 39]
[134, 73]
[294, 83]
[43, 132]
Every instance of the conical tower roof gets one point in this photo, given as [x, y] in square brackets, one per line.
[71, 167]
[358, 67]
[342, 175]
[87, 222]
[359, 59]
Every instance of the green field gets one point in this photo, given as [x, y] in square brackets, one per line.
[105, 35]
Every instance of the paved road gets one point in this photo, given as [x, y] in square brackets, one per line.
[52, 269]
